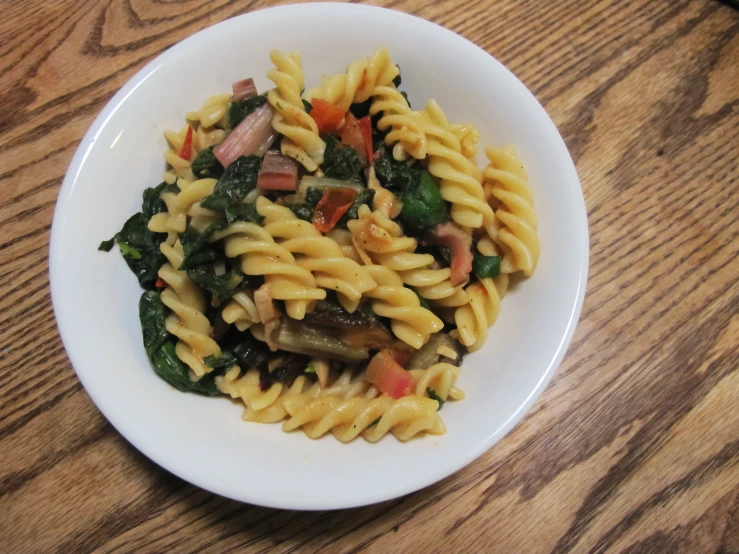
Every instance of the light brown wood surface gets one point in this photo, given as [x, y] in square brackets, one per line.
[634, 446]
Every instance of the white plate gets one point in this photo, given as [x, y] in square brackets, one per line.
[203, 440]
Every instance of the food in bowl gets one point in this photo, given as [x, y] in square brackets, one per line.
[328, 256]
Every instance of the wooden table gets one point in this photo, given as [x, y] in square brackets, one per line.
[634, 447]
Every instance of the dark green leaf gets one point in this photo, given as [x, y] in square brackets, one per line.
[196, 248]
[375, 422]
[243, 212]
[307, 105]
[340, 161]
[486, 267]
[152, 313]
[423, 206]
[433, 396]
[236, 182]
[365, 196]
[206, 164]
[107, 245]
[398, 79]
[173, 188]
[152, 203]
[313, 195]
[140, 249]
[222, 286]
[303, 210]
[226, 360]
[236, 112]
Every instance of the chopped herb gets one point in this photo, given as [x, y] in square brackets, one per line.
[311, 368]
[433, 396]
[129, 251]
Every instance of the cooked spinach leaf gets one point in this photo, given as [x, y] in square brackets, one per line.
[236, 112]
[140, 249]
[302, 210]
[107, 245]
[421, 299]
[152, 203]
[196, 248]
[423, 206]
[486, 267]
[243, 212]
[222, 286]
[152, 313]
[237, 181]
[313, 195]
[226, 360]
[206, 164]
[307, 105]
[341, 161]
[365, 196]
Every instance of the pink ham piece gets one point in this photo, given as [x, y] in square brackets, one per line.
[252, 136]
[243, 90]
[278, 172]
[458, 242]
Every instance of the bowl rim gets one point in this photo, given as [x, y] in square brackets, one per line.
[63, 316]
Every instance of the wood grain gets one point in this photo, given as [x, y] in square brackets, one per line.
[634, 447]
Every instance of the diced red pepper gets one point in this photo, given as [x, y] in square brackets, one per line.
[385, 373]
[365, 125]
[186, 150]
[327, 116]
[160, 283]
[334, 203]
[351, 135]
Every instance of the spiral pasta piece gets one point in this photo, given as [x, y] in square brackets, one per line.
[261, 406]
[320, 255]
[441, 378]
[301, 141]
[383, 240]
[183, 204]
[474, 319]
[515, 224]
[360, 79]
[187, 321]
[261, 255]
[241, 311]
[406, 135]
[405, 417]
[468, 137]
[460, 182]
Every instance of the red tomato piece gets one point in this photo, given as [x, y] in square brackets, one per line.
[186, 150]
[327, 116]
[365, 125]
[161, 283]
[333, 205]
[385, 373]
[351, 135]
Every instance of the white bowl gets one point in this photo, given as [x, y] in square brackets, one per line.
[203, 440]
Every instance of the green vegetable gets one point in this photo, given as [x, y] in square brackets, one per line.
[236, 112]
[303, 210]
[486, 267]
[433, 396]
[375, 422]
[206, 164]
[307, 105]
[365, 196]
[153, 204]
[311, 368]
[237, 181]
[107, 245]
[313, 195]
[222, 286]
[226, 360]
[423, 206]
[140, 249]
[197, 250]
[160, 348]
[340, 161]
[398, 79]
[393, 174]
